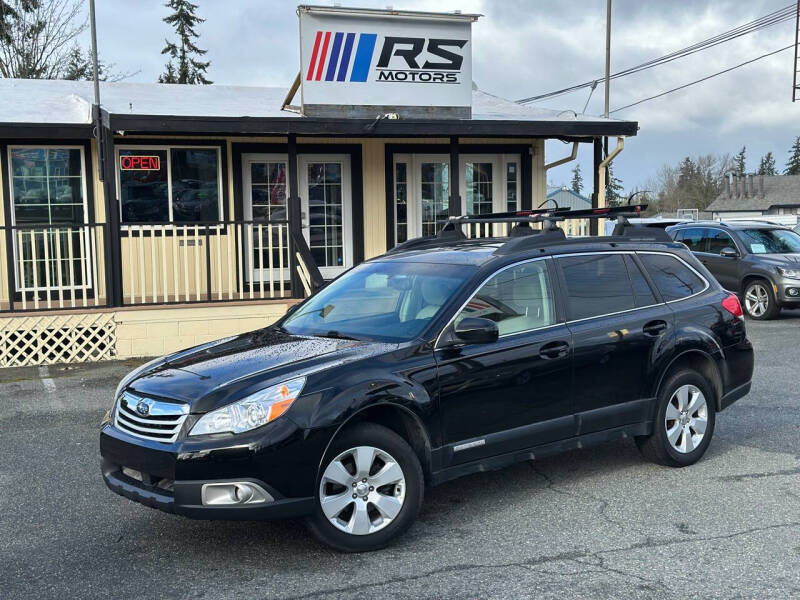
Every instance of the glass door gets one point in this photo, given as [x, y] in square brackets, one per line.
[327, 211]
[421, 194]
[265, 213]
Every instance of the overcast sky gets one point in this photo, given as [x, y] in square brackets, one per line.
[526, 47]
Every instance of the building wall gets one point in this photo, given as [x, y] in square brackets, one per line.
[79, 334]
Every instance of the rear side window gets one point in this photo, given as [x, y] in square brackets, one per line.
[597, 284]
[672, 278]
[641, 289]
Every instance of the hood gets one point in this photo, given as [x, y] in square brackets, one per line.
[791, 261]
[216, 374]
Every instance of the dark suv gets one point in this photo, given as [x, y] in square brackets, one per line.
[759, 261]
[444, 357]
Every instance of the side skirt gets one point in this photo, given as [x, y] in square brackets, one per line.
[503, 460]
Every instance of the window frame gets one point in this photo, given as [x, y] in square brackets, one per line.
[84, 188]
[89, 284]
[168, 149]
[554, 289]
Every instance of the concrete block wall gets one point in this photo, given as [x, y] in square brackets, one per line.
[157, 331]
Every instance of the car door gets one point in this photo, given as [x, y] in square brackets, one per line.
[513, 393]
[724, 268]
[616, 321]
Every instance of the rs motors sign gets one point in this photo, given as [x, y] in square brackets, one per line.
[361, 63]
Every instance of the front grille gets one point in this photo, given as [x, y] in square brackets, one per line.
[150, 419]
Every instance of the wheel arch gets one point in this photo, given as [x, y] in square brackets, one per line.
[700, 361]
[753, 276]
[395, 417]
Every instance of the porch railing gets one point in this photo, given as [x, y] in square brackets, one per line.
[52, 267]
[55, 266]
[167, 263]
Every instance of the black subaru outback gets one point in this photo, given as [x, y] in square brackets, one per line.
[443, 357]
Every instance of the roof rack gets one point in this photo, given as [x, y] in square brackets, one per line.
[523, 236]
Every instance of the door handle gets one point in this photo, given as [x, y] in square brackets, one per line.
[554, 350]
[655, 328]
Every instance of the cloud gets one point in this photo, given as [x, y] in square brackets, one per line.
[524, 47]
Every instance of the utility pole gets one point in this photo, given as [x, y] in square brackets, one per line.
[96, 78]
[608, 75]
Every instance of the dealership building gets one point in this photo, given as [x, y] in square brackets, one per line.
[170, 215]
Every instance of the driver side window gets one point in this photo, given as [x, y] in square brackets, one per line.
[518, 298]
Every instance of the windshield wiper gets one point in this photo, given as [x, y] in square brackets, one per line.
[337, 336]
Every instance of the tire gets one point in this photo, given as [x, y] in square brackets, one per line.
[394, 479]
[759, 300]
[675, 440]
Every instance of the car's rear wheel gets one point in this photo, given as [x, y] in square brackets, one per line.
[759, 300]
[684, 422]
[369, 490]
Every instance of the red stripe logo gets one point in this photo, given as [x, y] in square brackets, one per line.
[323, 56]
[313, 62]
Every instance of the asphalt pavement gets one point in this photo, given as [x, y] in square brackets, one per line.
[595, 523]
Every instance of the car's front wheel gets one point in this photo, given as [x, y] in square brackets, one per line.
[684, 422]
[369, 491]
[759, 300]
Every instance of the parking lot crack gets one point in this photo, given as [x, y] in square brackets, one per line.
[574, 556]
[603, 504]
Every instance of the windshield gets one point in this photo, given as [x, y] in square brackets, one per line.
[382, 301]
[770, 241]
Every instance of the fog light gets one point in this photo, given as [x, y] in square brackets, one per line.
[235, 492]
[794, 292]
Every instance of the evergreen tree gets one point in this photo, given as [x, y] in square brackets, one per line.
[793, 164]
[740, 162]
[577, 180]
[767, 165]
[614, 189]
[185, 53]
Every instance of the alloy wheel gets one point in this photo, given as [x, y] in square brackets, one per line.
[362, 490]
[686, 418]
[756, 300]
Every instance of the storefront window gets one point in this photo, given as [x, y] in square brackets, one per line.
[47, 185]
[176, 185]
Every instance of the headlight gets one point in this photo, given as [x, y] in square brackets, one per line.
[254, 411]
[789, 273]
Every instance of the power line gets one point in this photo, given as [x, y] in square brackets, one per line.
[779, 16]
[728, 70]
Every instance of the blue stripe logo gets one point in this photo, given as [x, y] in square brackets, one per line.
[337, 62]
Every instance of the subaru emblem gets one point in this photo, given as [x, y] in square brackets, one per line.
[143, 408]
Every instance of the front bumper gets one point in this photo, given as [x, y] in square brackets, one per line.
[169, 477]
[788, 292]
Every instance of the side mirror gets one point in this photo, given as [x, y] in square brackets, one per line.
[476, 331]
[729, 252]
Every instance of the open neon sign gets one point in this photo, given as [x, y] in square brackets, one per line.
[140, 163]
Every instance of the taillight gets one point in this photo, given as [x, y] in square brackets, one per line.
[733, 306]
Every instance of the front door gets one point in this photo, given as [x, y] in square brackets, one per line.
[326, 195]
[265, 231]
[513, 393]
[724, 268]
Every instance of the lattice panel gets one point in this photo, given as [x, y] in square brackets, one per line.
[50, 339]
